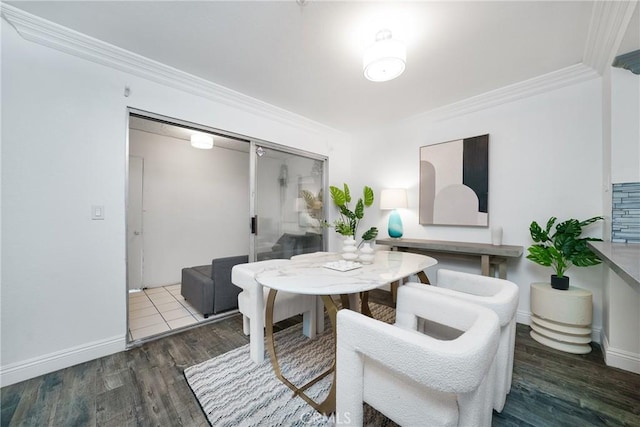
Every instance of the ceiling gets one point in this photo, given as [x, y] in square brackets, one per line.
[308, 58]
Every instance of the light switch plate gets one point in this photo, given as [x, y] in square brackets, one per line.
[97, 212]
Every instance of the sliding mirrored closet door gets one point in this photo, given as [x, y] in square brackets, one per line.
[288, 193]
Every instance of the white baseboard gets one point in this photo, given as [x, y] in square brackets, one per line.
[620, 358]
[524, 317]
[30, 368]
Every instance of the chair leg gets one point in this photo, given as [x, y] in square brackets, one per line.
[512, 340]
[349, 385]
[245, 325]
[309, 323]
[256, 339]
[473, 407]
[319, 315]
[501, 374]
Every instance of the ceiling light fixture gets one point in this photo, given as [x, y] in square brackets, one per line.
[385, 59]
[200, 140]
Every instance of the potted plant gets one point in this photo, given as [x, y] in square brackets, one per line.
[349, 220]
[563, 248]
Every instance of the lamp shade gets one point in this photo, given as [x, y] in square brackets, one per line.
[393, 198]
[385, 59]
[201, 140]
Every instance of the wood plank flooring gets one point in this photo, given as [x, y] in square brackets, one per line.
[145, 386]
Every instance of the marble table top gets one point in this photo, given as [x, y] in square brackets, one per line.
[309, 276]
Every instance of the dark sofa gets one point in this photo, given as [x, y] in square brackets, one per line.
[289, 245]
[208, 287]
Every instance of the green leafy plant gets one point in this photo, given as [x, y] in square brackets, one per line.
[564, 247]
[349, 220]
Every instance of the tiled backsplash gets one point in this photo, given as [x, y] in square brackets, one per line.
[625, 216]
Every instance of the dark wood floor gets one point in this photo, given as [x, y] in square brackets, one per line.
[145, 386]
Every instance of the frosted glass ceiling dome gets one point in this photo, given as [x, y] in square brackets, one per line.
[385, 59]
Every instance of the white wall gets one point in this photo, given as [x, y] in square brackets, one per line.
[625, 126]
[544, 160]
[621, 148]
[195, 205]
[63, 149]
[621, 341]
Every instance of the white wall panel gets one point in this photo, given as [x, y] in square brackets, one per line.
[545, 159]
[625, 126]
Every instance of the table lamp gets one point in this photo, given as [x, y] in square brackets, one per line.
[394, 198]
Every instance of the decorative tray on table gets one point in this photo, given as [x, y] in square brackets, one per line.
[342, 265]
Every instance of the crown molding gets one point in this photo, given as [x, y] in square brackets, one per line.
[609, 21]
[50, 34]
[547, 82]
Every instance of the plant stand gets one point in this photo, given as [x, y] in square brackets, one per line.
[561, 319]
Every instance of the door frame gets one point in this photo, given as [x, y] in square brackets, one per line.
[253, 184]
[134, 112]
[253, 143]
[141, 224]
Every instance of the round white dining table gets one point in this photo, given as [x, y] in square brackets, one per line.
[326, 275]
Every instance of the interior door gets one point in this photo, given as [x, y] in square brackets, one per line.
[134, 223]
[288, 193]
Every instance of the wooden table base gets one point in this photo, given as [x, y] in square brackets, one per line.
[422, 276]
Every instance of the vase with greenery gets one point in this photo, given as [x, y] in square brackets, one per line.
[562, 248]
[349, 220]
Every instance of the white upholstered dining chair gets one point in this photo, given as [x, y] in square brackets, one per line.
[499, 295]
[412, 378]
[252, 299]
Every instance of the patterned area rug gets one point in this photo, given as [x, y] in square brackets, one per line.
[234, 391]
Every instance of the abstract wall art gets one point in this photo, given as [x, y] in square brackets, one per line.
[454, 182]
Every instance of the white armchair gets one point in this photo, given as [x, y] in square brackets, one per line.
[251, 303]
[410, 377]
[499, 295]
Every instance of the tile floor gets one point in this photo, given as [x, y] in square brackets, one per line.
[156, 310]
